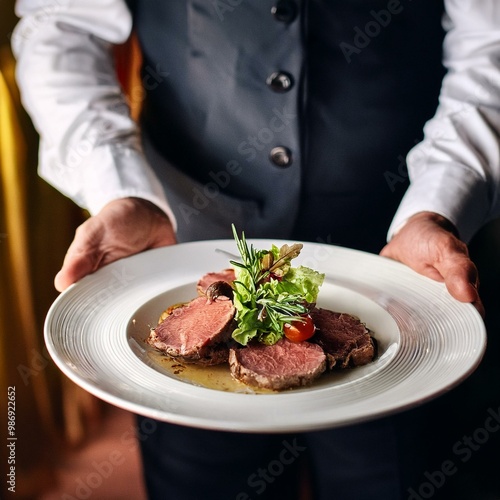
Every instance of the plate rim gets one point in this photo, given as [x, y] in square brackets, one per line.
[220, 424]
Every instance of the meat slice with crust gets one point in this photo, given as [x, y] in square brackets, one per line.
[196, 332]
[345, 340]
[283, 365]
[207, 279]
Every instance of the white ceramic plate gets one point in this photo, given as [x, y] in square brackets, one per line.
[428, 342]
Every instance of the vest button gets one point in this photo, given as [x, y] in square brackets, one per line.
[285, 11]
[281, 156]
[280, 81]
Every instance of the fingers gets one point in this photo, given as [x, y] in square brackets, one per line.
[122, 228]
[461, 279]
[429, 247]
[83, 256]
[458, 273]
[71, 272]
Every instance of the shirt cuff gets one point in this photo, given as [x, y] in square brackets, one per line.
[449, 190]
[108, 173]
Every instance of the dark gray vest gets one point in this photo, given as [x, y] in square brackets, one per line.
[290, 118]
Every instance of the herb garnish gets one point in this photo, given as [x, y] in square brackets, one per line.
[269, 292]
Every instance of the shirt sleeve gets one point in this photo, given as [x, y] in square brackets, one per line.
[90, 148]
[455, 170]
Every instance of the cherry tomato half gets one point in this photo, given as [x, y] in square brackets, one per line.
[299, 330]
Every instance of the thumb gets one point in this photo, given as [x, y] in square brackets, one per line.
[462, 280]
[74, 269]
[83, 256]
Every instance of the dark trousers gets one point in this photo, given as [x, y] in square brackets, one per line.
[352, 463]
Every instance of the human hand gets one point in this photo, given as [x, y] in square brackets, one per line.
[123, 227]
[428, 243]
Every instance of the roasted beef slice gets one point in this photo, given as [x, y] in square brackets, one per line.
[196, 332]
[206, 280]
[345, 340]
[280, 366]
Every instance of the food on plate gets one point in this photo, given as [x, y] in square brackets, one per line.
[261, 318]
[197, 331]
[219, 289]
[269, 293]
[279, 366]
[226, 275]
[345, 340]
[296, 331]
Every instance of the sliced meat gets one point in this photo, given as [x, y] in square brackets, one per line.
[209, 278]
[280, 366]
[345, 340]
[196, 332]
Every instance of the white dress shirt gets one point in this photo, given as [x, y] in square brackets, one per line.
[90, 147]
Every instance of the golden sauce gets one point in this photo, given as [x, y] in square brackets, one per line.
[216, 377]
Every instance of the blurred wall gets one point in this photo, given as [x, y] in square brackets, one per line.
[37, 224]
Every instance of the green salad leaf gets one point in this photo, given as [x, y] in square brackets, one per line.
[269, 292]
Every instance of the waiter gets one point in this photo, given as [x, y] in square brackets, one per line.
[290, 119]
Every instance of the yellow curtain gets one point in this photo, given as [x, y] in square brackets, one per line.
[36, 227]
[18, 335]
[128, 61]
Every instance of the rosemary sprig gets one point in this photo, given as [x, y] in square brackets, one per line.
[264, 304]
[250, 257]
